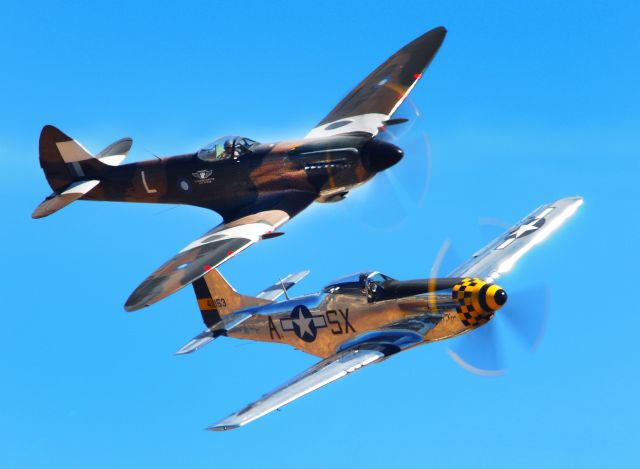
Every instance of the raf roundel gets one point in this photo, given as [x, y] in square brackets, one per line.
[184, 185]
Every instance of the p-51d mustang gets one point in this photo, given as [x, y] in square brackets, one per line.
[367, 317]
[255, 187]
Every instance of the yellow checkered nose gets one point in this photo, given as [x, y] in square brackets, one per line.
[478, 300]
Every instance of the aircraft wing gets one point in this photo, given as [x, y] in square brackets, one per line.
[370, 104]
[371, 347]
[321, 374]
[219, 245]
[501, 255]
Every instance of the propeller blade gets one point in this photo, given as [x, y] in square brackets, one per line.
[478, 351]
[397, 192]
[447, 259]
[527, 312]
[491, 228]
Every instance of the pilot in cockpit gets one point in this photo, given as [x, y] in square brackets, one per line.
[228, 147]
[229, 150]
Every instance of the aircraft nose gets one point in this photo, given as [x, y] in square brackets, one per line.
[496, 297]
[380, 155]
[500, 297]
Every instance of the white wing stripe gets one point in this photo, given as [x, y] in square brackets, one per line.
[251, 231]
[362, 123]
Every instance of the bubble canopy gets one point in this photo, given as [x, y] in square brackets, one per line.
[355, 283]
[227, 147]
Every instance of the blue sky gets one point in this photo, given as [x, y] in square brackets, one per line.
[526, 102]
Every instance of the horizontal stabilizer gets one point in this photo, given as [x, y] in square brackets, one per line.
[196, 343]
[64, 160]
[72, 170]
[277, 289]
[55, 202]
[115, 153]
[221, 328]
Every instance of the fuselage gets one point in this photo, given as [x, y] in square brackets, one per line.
[326, 167]
[319, 323]
[352, 309]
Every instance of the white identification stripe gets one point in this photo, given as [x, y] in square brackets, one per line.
[251, 231]
[73, 151]
[81, 187]
[362, 123]
[112, 160]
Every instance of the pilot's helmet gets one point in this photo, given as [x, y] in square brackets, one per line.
[228, 145]
[362, 280]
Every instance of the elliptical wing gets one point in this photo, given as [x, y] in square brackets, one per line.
[370, 104]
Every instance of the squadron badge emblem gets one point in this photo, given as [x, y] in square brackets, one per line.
[203, 176]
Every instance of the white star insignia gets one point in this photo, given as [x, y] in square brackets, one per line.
[303, 324]
[524, 229]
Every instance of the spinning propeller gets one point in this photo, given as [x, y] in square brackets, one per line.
[399, 191]
[480, 351]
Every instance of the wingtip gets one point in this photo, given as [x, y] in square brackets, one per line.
[130, 308]
[136, 302]
[184, 351]
[575, 199]
[221, 428]
[440, 31]
[38, 213]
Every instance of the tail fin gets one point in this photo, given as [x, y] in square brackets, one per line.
[219, 304]
[65, 162]
[216, 298]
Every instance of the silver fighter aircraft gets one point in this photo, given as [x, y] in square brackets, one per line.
[368, 317]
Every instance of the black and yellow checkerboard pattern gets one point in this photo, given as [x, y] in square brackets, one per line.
[473, 310]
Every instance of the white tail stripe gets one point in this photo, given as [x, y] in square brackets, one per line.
[112, 160]
[81, 187]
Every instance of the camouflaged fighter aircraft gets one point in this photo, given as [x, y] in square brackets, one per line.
[255, 187]
[366, 318]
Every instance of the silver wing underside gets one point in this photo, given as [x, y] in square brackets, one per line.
[497, 258]
[323, 373]
[501, 255]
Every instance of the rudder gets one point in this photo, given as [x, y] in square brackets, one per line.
[62, 158]
[216, 298]
[65, 161]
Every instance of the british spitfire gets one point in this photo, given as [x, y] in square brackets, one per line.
[255, 187]
[366, 318]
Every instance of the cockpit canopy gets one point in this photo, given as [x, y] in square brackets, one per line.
[229, 146]
[356, 283]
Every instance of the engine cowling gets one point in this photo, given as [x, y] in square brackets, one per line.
[478, 301]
